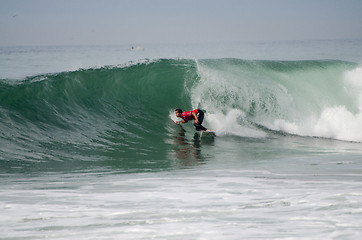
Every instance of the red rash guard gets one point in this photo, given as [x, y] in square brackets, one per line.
[187, 116]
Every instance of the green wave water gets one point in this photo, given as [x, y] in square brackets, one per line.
[120, 116]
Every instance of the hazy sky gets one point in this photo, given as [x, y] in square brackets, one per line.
[58, 22]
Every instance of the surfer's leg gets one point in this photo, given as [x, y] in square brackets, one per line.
[200, 127]
[200, 118]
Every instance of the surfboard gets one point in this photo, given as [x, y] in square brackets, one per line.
[208, 134]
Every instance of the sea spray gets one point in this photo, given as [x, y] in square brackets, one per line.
[233, 123]
[297, 97]
[338, 122]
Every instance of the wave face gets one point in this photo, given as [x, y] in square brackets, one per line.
[90, 115]
[123, 113]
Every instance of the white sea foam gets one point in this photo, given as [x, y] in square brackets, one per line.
[339, 123]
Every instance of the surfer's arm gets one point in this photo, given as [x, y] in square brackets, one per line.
[183, 121]
[195, 117]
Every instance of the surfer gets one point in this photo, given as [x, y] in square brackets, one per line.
[197, 115]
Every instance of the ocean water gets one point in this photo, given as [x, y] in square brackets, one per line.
[88, 148]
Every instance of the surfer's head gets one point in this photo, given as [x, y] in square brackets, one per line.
[178, 112]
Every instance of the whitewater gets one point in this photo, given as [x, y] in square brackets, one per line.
[89, 149]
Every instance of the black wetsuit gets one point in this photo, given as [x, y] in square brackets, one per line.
[200, 118]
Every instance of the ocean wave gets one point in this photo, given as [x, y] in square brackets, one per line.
[123, 111]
